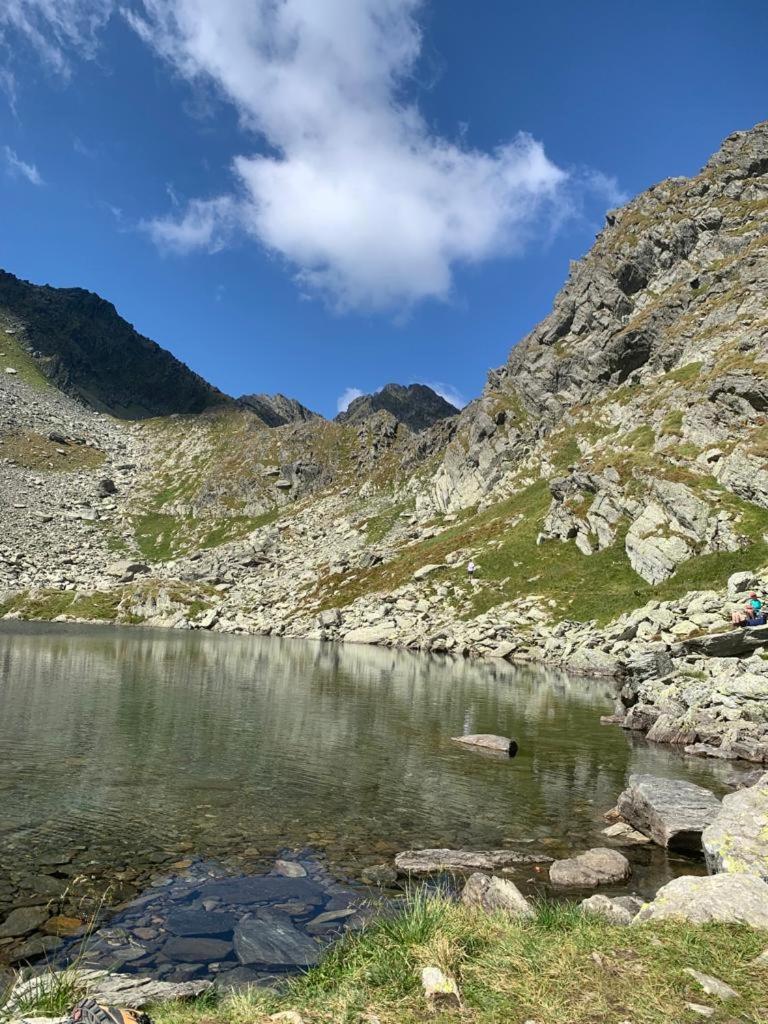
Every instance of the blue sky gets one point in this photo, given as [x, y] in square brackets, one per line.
[322, 195]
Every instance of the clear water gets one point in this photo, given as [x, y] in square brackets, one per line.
[123, 750]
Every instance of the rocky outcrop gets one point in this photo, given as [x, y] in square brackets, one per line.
[672, 812]
[736, 840]
[277, 410]
[723, 899]
[415, 405]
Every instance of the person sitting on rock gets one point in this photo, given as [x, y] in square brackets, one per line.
[752, 610]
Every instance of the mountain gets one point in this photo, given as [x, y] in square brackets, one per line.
[81, 344]
[277, 410]
[415, 405]
[616, 460]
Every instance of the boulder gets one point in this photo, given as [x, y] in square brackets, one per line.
[736, 841]
[425, 862]
[495, 895]
[733, 644]
[426, 570]
[740, 584]
[489, 742]
[377, 634]
[673, 813]
[610, 910]
[723, 899]
[600, 866]
[589, 661]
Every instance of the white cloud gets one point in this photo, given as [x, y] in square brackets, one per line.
[205, 224]
[18, 168]
[371, 208]
[55, 27]
[345, 180]
[347, 396]
[448, 392]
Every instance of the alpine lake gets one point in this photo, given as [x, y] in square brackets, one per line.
[194, 806]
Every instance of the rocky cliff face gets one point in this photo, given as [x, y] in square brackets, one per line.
[82, 345]
[641, 397]
[277, 410]
[415, 405]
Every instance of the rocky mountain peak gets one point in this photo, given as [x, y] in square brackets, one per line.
[80, 343]
[415, 405]
[277, 410]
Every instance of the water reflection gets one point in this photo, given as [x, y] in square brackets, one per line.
[124, 742]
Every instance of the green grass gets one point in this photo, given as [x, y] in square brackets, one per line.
[16, 356]
[673, 422]
[33, 451]
[378, 526]
[560, 967]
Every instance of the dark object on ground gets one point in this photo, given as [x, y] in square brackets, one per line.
[88, 1011]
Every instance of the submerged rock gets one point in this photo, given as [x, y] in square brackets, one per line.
[673, 813]
[270, 937]
[600, 866]
[736, 841]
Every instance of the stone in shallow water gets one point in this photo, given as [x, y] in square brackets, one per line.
[196, 950]
[600, 866]
[22, 922]
[198, 922]
[673, 813]
[264, 890]
[290, 869]
[268, 937]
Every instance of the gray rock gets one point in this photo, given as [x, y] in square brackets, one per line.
[270, 937]
[725, 899]
[195, 949]
[712, 986]
[736, 841]
[495, 895]
[199, 922]
[600, 866]
[378, 874]
[488, 741]
[589, 661]
[673, 813]
[290, 869]
[733, 644]
[371, 634]
[23, 921]
[425, 862]
[610, 910]
[741, 583]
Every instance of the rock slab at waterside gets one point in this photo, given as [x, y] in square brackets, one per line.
[425, 862]
[114, 989]
[736, 841]
[673, 813]
[723, 899]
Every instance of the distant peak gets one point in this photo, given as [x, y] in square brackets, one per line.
[415, 405]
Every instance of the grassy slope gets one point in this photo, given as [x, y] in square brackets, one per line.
[560, 968]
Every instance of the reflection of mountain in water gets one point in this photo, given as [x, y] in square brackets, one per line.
[232, 742]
